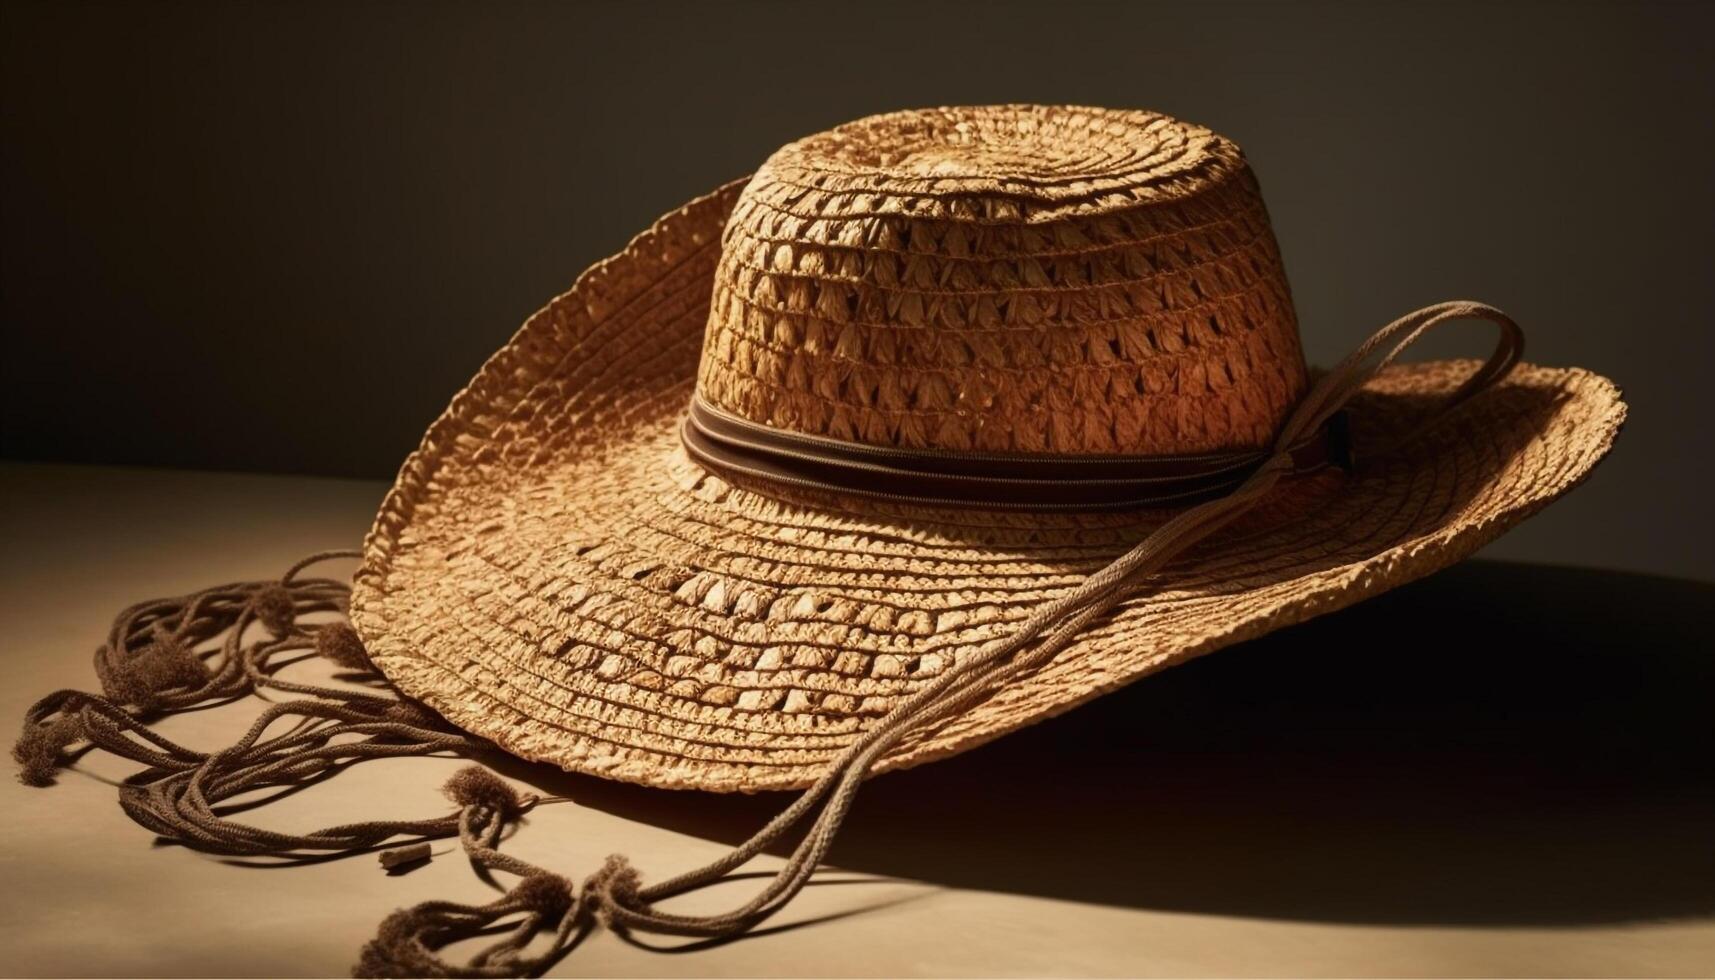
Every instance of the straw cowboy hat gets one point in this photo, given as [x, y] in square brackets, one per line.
[941, 423]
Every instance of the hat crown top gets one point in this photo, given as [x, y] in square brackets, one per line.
[1056, 162]
[1011, 278]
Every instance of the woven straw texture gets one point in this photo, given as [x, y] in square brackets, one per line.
[551, 572]
[1118, 291]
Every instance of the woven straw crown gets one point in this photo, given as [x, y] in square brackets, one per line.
[1006, 278]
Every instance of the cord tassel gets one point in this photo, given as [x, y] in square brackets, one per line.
[398, 857]
[150, 667]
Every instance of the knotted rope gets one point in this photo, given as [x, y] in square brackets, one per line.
[149, 667]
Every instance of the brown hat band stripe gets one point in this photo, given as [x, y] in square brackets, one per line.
[729, 444]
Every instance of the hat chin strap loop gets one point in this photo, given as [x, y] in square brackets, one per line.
[151, 666]
[1383, 347]
[769, 460]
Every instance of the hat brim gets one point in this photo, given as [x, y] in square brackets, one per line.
[552, 573]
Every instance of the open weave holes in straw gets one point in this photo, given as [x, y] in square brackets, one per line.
[552, 572]
[1117, 291]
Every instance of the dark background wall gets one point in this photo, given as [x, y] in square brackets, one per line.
[279, 237]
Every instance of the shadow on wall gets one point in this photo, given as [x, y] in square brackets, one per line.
[1502, 744]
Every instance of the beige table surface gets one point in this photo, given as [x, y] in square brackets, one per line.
[1514, 781]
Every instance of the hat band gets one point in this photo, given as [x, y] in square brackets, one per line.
[727, 443]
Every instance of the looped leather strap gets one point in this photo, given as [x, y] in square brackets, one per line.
[1313, 437]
